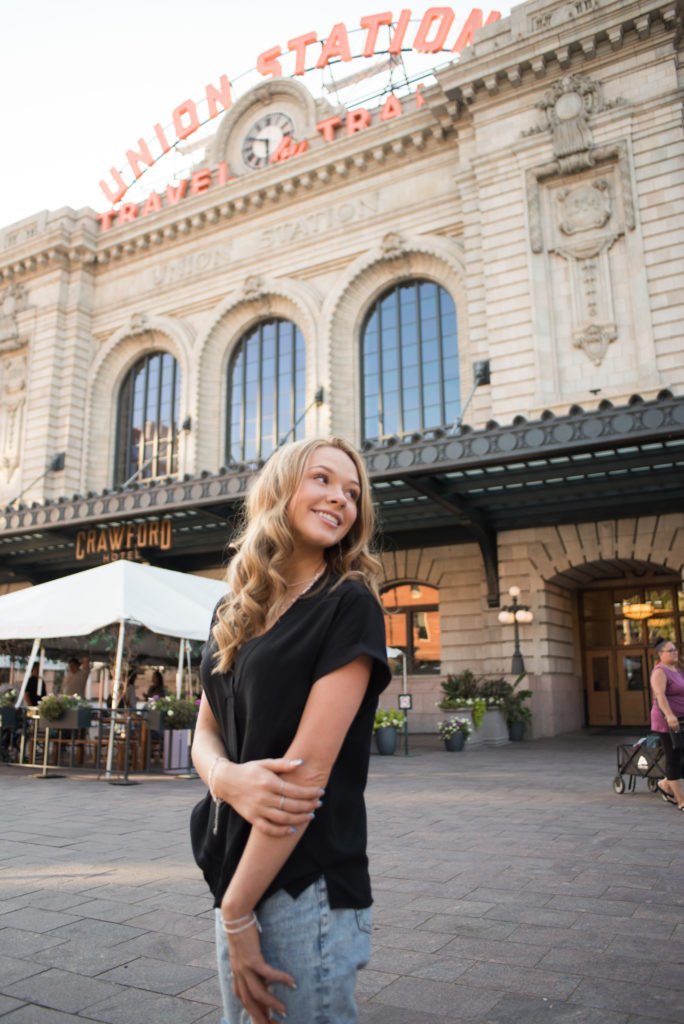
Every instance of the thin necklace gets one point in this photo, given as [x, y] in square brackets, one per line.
[310, 580]
[295, 597]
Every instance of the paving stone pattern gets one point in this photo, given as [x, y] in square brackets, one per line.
[512, 886]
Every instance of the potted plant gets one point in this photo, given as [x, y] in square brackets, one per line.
[454, 731]
[8, 714]
[178, 719]
[385, 728]
[175, 712]
[458, 690]
[62, 711]
[518, 714]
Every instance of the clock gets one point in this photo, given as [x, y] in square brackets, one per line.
[264, 137]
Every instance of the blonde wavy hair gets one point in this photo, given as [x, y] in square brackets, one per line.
[264, 544]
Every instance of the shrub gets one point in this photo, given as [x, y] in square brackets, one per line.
[388, 719]
[459, 688]
[177, 712]
[52, 707]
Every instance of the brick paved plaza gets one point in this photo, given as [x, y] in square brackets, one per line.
[512, 886]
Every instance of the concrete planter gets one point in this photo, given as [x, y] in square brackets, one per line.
[492, 733]
[494, 729]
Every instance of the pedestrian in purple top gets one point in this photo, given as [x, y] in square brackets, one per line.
[667, 713]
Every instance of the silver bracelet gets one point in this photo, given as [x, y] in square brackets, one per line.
[229, 930]
[210, 778]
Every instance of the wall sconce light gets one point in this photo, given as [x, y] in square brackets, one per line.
[416, 592]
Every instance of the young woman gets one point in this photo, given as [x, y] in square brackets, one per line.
[291, 677]
[667, 683]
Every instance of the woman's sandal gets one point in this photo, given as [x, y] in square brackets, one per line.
[666, 796]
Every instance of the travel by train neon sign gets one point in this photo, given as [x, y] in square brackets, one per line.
[308, 52]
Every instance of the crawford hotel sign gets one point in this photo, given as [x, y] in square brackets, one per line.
[271, 138]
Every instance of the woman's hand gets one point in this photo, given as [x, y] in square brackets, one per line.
[260, 793]
[673, 722]
[252, 976]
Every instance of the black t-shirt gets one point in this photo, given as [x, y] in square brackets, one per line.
[258, 705]
[32, 689]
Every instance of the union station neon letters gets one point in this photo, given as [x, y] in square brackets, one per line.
[431, 37]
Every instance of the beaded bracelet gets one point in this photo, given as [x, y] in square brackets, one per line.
[249, 919]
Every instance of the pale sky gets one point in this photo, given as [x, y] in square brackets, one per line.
[81, 81]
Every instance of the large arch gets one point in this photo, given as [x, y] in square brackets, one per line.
[141, 335]
[398, 257]
[260, 298]
[552, 565]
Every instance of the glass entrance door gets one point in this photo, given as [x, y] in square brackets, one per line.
[601, 704]
[633, 687]
[618, 626]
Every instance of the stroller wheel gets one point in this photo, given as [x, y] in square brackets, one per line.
[652, 785]
[619, 784]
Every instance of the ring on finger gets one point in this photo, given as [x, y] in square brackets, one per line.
[282, 801]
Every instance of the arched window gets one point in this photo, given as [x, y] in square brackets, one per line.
[149, 411]
[409, 361]
[266, 389]
[412, 627]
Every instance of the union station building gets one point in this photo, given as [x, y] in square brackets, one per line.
[478, 282]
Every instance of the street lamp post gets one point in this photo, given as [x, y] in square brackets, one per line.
[514, 614]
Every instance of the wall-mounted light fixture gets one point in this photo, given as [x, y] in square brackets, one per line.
[56, 465]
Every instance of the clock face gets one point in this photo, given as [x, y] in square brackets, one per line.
[264, 137]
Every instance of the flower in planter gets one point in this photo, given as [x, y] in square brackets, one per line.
[53, 706]
[177, 712]
[450, 726]
[476, 705]
[388, 719]
[8, 699]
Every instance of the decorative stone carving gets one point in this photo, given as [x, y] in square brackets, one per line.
[568, 106]
[584, 207]
[13, 373]
[254, 288]
[13, 300]
[139, 323]
[593, 318]
[393, 246]
[594, 341]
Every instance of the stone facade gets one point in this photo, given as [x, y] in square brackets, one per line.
[540, 183]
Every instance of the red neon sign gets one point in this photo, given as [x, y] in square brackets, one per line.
[431, 37]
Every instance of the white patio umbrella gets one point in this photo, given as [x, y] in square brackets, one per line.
[171, 603]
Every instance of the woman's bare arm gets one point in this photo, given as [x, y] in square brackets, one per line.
[255, 789]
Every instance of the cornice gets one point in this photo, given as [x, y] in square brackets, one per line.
[513, 50]
[322, 167]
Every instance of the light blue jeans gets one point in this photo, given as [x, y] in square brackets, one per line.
[321, 948]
